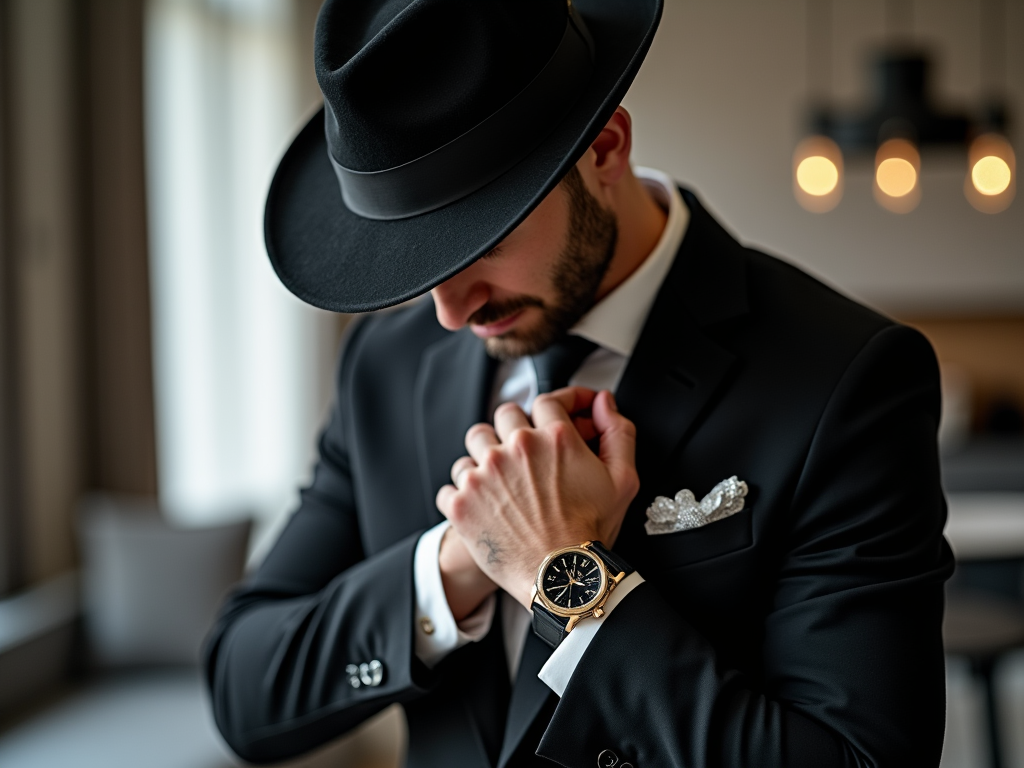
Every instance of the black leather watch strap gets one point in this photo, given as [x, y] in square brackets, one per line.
[616, 565]
[547, 626]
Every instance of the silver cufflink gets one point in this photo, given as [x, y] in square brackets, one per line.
[369, 674]
[608, 759]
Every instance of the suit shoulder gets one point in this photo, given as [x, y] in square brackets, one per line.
[796, 309]
[781, 288]
[809, 336]
[390, 339]
[398, 330]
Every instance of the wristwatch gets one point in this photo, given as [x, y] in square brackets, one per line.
[572, 584]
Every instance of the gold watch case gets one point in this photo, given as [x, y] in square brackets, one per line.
[608, 582]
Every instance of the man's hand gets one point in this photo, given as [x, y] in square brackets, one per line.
[526, 489]
[465, 585]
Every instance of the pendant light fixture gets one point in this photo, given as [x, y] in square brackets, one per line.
[817, 159]
[897, 184]
[818, 174]
[901, 121]
[990, 183]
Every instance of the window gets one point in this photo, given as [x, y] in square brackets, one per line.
[242, 368]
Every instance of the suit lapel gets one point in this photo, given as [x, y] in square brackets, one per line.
[485, 694]
[676, 367]
[452, 390]
[665, 389]
[528, 696]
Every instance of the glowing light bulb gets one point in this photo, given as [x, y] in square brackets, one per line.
[897, 176]
[818, 174]
[991, 175]
[991, 181]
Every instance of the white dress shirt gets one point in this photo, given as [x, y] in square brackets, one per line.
[614, 324]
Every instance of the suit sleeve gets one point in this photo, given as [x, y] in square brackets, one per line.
[276, 659]
[853, 671]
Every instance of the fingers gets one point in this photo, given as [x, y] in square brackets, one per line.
[507, 419]
[560, 405]
[618, 440]
[443, 500]
[585, 426]
[479, 439]
[459, 468]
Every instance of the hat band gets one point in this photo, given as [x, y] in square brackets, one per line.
[481, 154]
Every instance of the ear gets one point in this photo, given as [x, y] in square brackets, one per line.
[608, 156]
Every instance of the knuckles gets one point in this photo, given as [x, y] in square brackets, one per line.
[632, 485]
[458, 508]
[472, 481]
[478, 430]
[506, 409]
[521, 440]
[624, 428]
[628, 428]
[560, 433]
[626, 481]
[463, 464]
[491, 460]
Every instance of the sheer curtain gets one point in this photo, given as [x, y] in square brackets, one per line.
[242, 368]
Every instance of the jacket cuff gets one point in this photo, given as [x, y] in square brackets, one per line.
[436, 631]
[563, 662]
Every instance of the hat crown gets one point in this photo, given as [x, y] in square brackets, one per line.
[405, 77]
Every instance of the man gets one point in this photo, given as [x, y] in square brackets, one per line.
[524, 565]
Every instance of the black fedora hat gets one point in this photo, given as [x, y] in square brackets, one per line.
[445, 123]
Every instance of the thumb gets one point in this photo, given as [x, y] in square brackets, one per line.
[618, 440]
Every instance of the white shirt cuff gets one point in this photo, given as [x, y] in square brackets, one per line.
[563, 662]
[437, 632]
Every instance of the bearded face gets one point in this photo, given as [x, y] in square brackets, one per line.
[575, 276]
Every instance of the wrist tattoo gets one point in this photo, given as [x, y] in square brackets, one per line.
[493, 550]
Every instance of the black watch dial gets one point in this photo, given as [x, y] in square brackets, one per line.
[572, 580]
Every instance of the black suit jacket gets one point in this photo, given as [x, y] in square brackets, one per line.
[802, 631]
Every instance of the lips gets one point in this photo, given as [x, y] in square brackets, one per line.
[497, 328]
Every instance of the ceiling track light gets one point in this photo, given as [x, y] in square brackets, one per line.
[901, 121]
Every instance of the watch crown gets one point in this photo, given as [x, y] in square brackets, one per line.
[598, 613]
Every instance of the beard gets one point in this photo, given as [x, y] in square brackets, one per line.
[576, 274]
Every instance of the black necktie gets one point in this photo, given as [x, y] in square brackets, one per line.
[556, 364]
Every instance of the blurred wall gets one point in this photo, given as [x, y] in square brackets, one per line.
[43, 244]
[719, 104]
[73, 251]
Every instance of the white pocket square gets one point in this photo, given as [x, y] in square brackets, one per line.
[683, 512]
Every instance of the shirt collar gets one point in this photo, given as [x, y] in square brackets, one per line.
[616, 320]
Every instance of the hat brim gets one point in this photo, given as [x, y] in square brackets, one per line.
[336, 260]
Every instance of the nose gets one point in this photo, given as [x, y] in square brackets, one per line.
[456, 299]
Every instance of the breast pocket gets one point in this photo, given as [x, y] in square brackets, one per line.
[676, 550]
